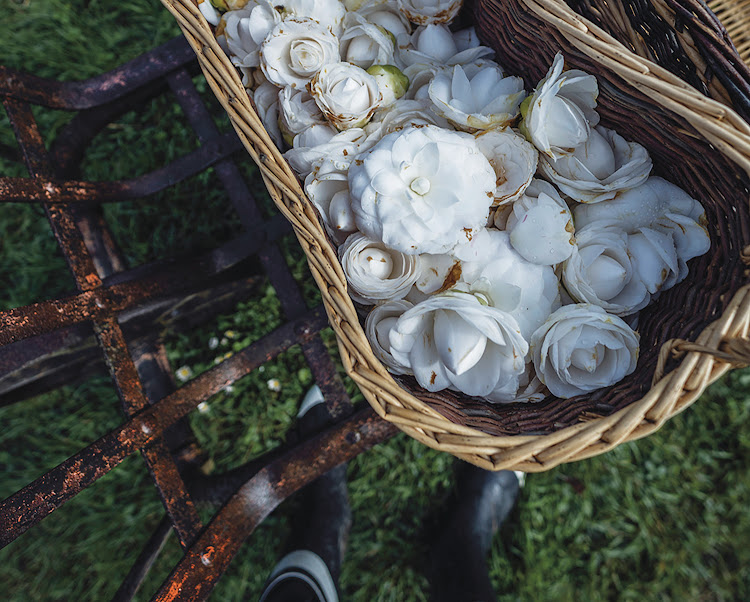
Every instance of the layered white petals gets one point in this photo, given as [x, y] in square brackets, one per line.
[600, 271]
[599, 168]
[378, 325]
[422, 190]
[434, 46]
[387, 16]
[246, 29]
[514, 160]
[560, 113]
[209, 12]
[430, 12]
[404, 113]
[329, 13]
[266, 100]
[328, 189]
[528, 292]
[324, 143]
[365, 44]
[298, 111]
[454, 340]
[347, 95]
[541, 225]
[438, 273]
[485, 101]
[581, 348]
[374, 272]
[295, 50]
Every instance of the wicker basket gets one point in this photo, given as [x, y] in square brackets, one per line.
[693, 334]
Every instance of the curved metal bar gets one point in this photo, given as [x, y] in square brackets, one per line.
[205, 562]
[76, 96]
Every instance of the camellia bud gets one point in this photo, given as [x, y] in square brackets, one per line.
[392, 83]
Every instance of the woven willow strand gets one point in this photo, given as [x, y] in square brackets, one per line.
[703, 361]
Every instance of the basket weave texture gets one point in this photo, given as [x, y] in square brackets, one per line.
[697, 138]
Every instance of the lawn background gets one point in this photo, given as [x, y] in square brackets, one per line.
[661, 518]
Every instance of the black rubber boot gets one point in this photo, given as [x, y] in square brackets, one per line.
[458, 555]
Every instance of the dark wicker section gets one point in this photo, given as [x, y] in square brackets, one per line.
[526, 46]
[644, 30]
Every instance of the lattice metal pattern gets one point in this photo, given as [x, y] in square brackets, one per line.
[120, 304]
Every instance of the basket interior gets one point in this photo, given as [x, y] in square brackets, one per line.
[526, 45]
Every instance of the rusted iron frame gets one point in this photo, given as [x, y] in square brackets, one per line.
[205, 562]
[43, 190]
[290, 297]
[99, 90]
[31, 504]
[123, 371]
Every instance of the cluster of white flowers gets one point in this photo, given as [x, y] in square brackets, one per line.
[499, 236]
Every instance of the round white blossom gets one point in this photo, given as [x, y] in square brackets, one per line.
[266, 100]
[381, 319]
[328, 189]
[422, 190]
[455, 340]
[430, 12]
[246, 29]
[581, 348]
[374, 272]
[295, 50]
[329, 13]
[387, 16]
[560, 113]
[298, 111]
[487, 100]
[365, 44]
[347, 94]
[599, 168]
[514, 160]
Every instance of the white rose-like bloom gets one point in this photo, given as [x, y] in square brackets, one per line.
[378, 326]
[325, 143]
[404, 113]
[601, 271]
[528, 292]
[387, 16]
[374, 272]
[422, 190]
[599, 168]
[434, 46]
[365, 44]
[347, 94]
[560, 113]
[328, 189]
[454, 340]
[266, 100]
[541, 225]
[295, 50]
[430, 12]
[581, 348]
[245, 30]
[329, 13]
[487, 100]
[514, 160]
[298, 111]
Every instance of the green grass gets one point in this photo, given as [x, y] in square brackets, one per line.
[660, 518]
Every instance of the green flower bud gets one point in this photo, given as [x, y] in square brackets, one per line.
[392, 83]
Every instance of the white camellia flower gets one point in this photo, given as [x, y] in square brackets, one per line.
[581, 348]
[298, 111]
[374, 272]
[266, 100]
[559, 115]
[347, 94]
[659, 205]
[434, 46]
[378, 327]
[514, 160]
[329, 13]
[466, 38]
[601, 270]
[211, 15]
[365, 44]
[422, 190]
[528, 292]
[404, 113]
[324, 143]
[328, 189]
[541, 226]
[387, 16]
[245, 30]
[295, 50]
[599, 168]
[438, 273]
[487, 100]
[455, 340]
[430, 12]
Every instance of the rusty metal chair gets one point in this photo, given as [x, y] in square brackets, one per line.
[46, 344]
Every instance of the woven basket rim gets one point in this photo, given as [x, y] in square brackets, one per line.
[719, 124]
